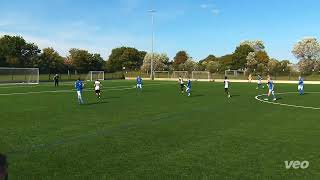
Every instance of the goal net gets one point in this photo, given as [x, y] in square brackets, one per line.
[95, 75]
[196, 75]
[161, 74]
[19, 75]
[234, 73]
[177, 74]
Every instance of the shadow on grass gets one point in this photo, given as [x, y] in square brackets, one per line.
[197, 95]
[95, 103]
[110, 98]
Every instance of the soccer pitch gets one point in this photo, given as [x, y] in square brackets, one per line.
[159, 133]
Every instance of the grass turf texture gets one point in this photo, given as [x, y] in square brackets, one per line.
[159, 133]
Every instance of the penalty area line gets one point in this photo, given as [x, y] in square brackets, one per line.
[287, 105]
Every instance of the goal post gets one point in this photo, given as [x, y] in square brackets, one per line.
[177, 74]
[198, 75]
[95, 75]
[161, 74]
[235, 73]
[10, 75]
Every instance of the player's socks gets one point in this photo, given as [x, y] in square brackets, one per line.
[274, 96]
[301, 92]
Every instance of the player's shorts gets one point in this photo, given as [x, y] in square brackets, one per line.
[139, 86]
[79, 93]
[182, 86]
[271, 90]
[97, 91]
[300, 87]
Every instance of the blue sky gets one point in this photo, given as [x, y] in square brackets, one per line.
[200, 27]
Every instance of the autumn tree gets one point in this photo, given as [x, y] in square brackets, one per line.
[180, 58]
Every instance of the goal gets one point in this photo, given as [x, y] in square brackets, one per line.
[161, 74]
[196, 75]
[177, 74]
[19, 75]
[235, 73]
[95, 75]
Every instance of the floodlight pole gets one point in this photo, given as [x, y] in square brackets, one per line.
[152, 11]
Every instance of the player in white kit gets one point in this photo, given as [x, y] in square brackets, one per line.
[97, 88]
[226, 87]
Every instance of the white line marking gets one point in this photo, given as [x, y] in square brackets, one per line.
[288, 105]
[64, 84]
[58, 91]
[73, 90]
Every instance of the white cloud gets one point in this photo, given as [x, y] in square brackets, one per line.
[204, 6]
[98, 44]
[211, 8]
[215, 11]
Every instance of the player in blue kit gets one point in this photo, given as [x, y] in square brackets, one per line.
[270, 85]
[188, 87]
[79, 87]
[139, 83]
[300, 86]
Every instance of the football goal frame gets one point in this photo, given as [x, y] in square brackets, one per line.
[235, 73]
[196, 75]
[166, 74]
[12, 75]
[95, 75]
[177, 74]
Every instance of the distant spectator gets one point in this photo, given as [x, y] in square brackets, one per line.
[3, 167]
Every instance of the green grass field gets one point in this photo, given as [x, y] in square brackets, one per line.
[159, 133]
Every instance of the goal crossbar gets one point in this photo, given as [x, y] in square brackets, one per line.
[200, 75]
[95, 75]
[161, 74]
[177, 74]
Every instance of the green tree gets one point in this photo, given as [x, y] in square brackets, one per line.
[202, 64]
[308, 52]
[83, 61]
[213, 66]
[160, 62]
[50, 61]
[188, 65]
[258, 61]
[180, 58]
[127, 57]
[256, 45]
[239, 57]
[273, 66]
[16, 52]
[226, 62]
[208, 59]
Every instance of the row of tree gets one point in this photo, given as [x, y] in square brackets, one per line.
[248, 55]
